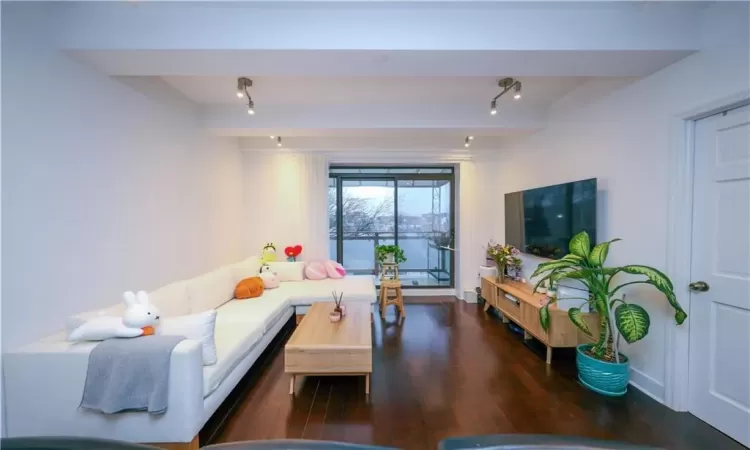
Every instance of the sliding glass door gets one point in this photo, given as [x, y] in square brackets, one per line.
[408, 207]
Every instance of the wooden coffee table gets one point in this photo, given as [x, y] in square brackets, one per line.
[321, 347]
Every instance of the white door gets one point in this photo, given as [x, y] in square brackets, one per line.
[720, 316]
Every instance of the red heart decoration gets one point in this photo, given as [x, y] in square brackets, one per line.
[293, 251]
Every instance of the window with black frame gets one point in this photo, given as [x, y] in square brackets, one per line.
[412, 207]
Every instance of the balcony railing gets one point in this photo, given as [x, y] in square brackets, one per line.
[424, 255]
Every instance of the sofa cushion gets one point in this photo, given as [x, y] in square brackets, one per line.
[172, 299]
[211, 290]
[76, 320]
[289, 271]
[264, 310]
[356, 288]
[198, 327]
[233, 341]
[250, 267]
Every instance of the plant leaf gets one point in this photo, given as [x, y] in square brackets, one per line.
[541, 280]
[572, 257]
[663, 284]
[632, 321]
[577, 318]
[552, 265]
[544, 316]
[599, 253]
[580, 245]
[655, 276]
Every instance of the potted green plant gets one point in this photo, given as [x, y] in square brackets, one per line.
[389, 254]
[601, 367]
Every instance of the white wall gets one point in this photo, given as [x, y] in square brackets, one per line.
[286, 202]
[476, 201]
[623, 140]
[104, 188]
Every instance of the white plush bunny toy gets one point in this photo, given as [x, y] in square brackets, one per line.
[140, 319]
[139, 313]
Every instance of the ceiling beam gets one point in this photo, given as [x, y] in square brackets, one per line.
[301, 120]
[514, 26]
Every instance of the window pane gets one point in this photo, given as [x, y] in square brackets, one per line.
[367, 220]
[424, 232]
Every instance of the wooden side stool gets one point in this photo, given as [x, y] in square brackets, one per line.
[386, 286]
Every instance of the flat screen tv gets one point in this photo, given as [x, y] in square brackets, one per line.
[541, 221]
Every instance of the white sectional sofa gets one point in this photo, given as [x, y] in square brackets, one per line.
[43, 381]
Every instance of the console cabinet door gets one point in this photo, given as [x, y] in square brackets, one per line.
[488, 291]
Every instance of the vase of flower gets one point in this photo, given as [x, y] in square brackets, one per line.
[503, 256]
[500, 273]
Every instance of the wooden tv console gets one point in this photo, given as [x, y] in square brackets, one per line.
[523, 310]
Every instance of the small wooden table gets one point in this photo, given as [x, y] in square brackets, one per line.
[321, 347]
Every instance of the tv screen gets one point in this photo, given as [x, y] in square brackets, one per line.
[541, 221]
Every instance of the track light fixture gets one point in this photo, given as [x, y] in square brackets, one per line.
[278, 141]
[467, 141]
[507, 84]
[242, 84]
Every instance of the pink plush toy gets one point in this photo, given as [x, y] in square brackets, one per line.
[334, 269]
[315, 270]
[270, 279]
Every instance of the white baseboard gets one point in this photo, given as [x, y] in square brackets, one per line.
[469, 296]
[647, 385]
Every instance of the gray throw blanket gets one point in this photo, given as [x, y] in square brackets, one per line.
[129, 374]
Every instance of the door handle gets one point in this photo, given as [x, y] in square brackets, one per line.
[699, 286]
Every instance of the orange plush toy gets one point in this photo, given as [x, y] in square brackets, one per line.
[249, 288]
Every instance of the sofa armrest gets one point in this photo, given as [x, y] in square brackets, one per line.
[44, 384]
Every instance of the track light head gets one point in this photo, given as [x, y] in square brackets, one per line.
[467, 141]
[272, 137]
[242, 84]
[278, 141]
[506, 84]
[471, 138]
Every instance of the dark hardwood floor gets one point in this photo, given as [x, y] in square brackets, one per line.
[451, 370]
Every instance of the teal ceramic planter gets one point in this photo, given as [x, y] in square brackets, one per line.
[606, 378]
